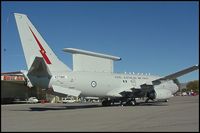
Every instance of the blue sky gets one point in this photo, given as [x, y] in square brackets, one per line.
[151, 37]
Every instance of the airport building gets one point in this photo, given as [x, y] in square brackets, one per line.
[13, 87]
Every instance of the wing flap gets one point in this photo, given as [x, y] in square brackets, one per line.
[117, 92]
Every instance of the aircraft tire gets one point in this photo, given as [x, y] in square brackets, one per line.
[133, 102]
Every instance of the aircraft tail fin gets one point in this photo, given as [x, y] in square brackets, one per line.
[35, 46]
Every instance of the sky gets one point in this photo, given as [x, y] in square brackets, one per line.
[151, 37]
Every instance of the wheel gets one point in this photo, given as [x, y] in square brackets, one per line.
[133, 102]
[146, 101]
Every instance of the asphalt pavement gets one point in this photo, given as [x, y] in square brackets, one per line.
[180, 113]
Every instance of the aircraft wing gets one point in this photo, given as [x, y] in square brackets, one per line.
[66, 91]
[176, 74]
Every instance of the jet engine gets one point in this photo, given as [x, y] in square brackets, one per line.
[162, 93]
[159, 93]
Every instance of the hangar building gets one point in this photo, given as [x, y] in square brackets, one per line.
[13, 88]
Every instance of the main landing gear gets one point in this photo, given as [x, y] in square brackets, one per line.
[131, 102]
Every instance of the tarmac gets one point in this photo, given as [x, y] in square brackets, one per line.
[180, 113]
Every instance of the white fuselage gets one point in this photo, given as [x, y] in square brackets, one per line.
[99, 84]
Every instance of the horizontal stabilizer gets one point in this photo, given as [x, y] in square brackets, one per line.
[66, 91]
[39, 68]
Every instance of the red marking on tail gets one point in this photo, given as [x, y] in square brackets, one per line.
[42, 50]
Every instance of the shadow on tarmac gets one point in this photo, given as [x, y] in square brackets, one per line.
[86, 106]
[153, 104]
[64, 107]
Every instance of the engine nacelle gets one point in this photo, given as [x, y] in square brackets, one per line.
[162, 93]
